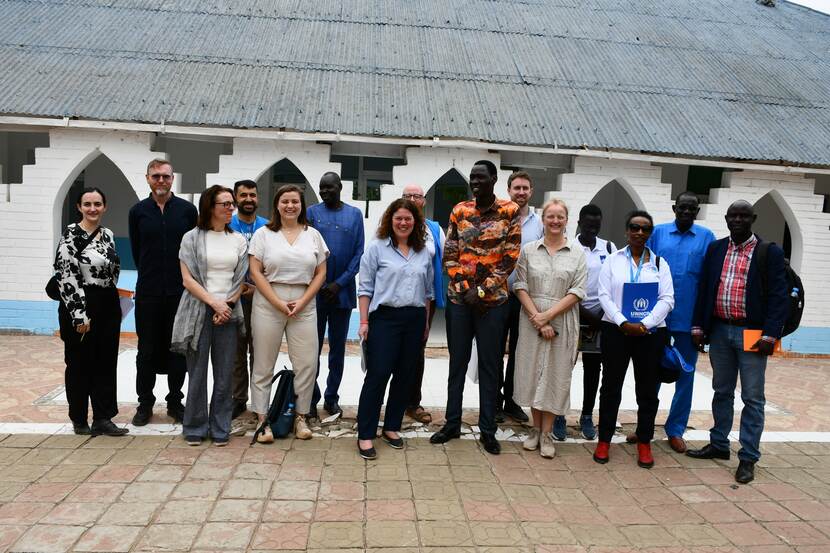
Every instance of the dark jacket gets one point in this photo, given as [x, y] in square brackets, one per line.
[767, 314]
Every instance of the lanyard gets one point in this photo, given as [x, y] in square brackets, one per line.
[635, 277]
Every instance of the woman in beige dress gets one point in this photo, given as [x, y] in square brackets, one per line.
[550, 280]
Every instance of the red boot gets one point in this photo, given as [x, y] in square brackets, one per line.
[644, 457]
[601, 452]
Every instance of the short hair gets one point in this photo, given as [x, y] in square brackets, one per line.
[275, 223]
[416, 238]
[491, 167]
[553, 202]
[206, 203]
[158, 162]
[687, 194]
[89, 190]
[328, 173]
[638, 213]
[590, 209]
[247, 183]
[519, 175]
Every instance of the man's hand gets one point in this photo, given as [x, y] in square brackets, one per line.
[248, 289]
[330, 292]
[764, 347]
[699, 341]
[470, 297]
[363, 331]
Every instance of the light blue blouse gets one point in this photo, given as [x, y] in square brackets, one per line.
[395, 280]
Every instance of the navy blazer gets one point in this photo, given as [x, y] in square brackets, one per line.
[767, 314]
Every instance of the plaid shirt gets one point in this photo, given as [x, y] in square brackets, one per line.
[481, 249]
[730, 302]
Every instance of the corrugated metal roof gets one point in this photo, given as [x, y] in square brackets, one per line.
[712, 78]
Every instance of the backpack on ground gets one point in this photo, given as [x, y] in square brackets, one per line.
[795, 289]
[280, 415]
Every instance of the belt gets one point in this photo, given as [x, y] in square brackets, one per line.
[733, 322]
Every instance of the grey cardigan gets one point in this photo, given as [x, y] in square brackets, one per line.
[190, 316]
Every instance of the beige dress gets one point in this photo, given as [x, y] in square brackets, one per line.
[543, 367]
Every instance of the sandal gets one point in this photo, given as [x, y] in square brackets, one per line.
[419, 415]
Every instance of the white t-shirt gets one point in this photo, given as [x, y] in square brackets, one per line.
[284, 263]
[222, 251]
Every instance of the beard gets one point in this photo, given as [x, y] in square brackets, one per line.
[247, 208]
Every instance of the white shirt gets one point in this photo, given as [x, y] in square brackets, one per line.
[595, 258]
[222, 251]
[616, 271]
[429, 241]
[532, 229]
[285, 263]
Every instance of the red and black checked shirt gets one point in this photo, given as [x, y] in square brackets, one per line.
[730, 302]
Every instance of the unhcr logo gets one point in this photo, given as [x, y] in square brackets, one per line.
[641, 304]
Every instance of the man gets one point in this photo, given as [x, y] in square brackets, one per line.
[435, 240]
[683, 244]
[483, 244]
[596, 251]
[156, 227]
[520, 190]
[736, 294]
[342, 228]
[246, 222]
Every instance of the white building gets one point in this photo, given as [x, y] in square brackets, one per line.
[621, 105]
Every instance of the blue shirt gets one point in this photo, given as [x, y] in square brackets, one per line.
[684, 252]
[393, 279]
[532, 229]
[247, 229]
[342, 229]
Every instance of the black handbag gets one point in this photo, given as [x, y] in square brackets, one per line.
[52, 287]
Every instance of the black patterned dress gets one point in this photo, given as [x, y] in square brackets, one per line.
[89, 296]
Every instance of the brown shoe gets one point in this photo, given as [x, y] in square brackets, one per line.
[677, 443]
[631, 438]
[419, 414]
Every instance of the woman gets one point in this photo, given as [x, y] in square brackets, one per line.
[213, 260]
[288, 267]
[551, 274]
[90, 316]
[636, 295]
[394, 291]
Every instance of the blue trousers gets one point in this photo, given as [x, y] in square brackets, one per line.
[337, 319]
[729, 360]
[681, 403]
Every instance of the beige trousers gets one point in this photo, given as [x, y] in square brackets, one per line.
[268, 325]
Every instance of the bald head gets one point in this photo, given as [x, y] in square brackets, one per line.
[415, 194]
[739, 219]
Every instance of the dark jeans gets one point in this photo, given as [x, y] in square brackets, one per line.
[395, 336]
[509, 342]
[417, 379]
[338, 323]
[244, 350]
[464, 324]
[591, 367]
[154, 318]
[645, 352]
[217, 343]
[91, 362]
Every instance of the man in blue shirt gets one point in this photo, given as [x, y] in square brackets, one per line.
[683, 244]
[342, 228]
[246, 222]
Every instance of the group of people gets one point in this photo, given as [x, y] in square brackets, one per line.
[225, 285]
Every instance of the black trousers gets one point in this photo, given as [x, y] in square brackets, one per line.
[591, 365]
[92, 358]
[154, 318]
[395, 336]
[417, 379]
[509, 342]
[242, 367]
[645, 353]
[464, 324]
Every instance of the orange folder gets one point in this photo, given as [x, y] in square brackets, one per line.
[752, 336]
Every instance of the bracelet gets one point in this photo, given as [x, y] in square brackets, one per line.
[364, 322]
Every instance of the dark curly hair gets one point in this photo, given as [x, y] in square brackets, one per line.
[416, 238]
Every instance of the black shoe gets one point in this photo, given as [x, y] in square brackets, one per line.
[444, 435]
[708, 452]
[490, 443]
[107, 428]
[499, 416]
[368, 454]
[238, 409]
[396, 443]
[142, 415]
[193, 440]
[176, 412]
[745, 473]
[81, 429]
[515, 412]
[332, 408]
[312, 413]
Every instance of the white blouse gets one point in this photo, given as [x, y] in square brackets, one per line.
[284, 263]
[222, 251]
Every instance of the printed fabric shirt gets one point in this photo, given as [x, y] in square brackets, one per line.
[730, 302]
[481, 249]
[342, 230]
[98, 265]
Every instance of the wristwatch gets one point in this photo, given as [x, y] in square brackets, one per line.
[480, 292]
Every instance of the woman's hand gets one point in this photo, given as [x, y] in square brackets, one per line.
[547, 332]
[221, 308]
[295, 306]
[281, 306]
[363, 331]
[634, 329]
[539, 320]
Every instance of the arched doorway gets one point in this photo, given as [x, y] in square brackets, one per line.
[447, 191]
[776, 223]
[616, 202]
[102, 173]
[281, 173]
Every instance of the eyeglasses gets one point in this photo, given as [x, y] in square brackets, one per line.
[634, 227]
[161, 176]
[226, 205]
[413, 196]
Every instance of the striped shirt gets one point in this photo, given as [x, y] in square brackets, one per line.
[730, 302]
[481, 249]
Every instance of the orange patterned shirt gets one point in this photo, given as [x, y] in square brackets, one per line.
[482, 249]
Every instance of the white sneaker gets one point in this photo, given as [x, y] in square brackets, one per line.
[301, 429]
[241, 425]
[267, 437]
[532, 441]
[548, 449]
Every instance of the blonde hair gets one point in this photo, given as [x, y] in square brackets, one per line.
[555, 201]
[158, 162]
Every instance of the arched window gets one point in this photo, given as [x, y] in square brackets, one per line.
[615, 201]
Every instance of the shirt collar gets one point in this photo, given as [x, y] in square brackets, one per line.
[530, 215]
[540, 243]
[581, 245]
[749, 241]
[678, 231]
